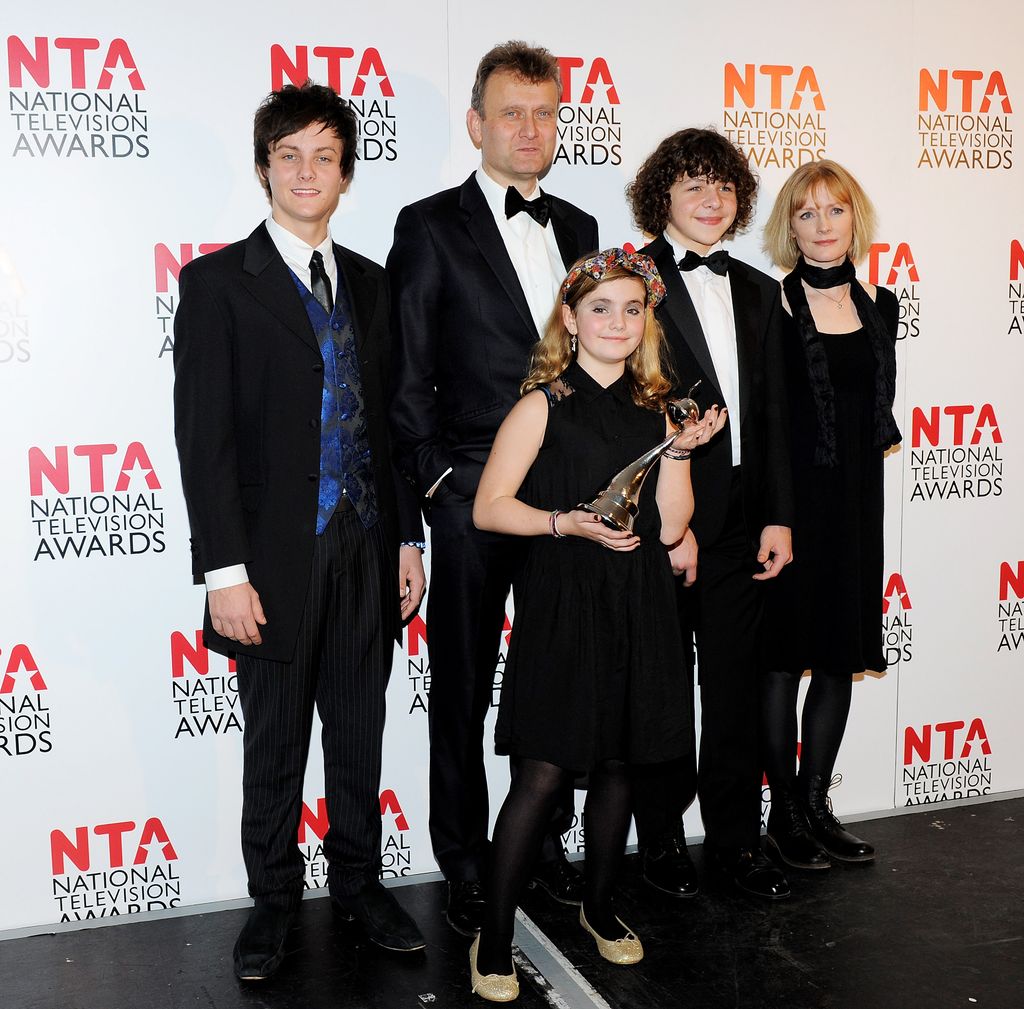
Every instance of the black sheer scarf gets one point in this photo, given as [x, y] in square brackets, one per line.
[882, 344]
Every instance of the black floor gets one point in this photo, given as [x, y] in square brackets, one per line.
[937, 921]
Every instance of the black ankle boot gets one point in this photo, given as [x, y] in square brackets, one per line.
[789, 835]
[828, 831]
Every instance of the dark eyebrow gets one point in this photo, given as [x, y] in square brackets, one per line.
[294, 147]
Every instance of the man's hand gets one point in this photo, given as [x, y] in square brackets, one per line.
[776, 551]
[683, 558]
[412, 582]
[236, 611]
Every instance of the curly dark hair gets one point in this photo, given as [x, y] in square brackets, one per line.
[291, 110]
[692, 152]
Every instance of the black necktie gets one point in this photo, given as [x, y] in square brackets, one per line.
[717, 262]
[321, 283]
[539, 209]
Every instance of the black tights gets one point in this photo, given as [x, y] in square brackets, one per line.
[522, 822]
[826, 709]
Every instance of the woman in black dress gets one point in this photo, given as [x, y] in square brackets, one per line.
[594, 679]
[824, 611]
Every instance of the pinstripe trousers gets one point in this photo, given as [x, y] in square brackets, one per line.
[341, 664]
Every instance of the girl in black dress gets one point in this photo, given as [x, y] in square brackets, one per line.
[594, 677]
[825, 610]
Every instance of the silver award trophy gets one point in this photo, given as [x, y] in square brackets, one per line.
[618, 504]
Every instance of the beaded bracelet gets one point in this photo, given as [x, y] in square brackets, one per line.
[676, 453]
[553, 524]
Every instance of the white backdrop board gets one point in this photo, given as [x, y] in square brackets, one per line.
[125, 150]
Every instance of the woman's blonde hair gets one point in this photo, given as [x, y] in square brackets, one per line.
[779, 243]
[650, 384]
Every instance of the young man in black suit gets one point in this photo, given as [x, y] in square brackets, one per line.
[282, 356]
[722, 321]
[474, 273]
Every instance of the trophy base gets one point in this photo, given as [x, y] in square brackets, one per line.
[623, 521]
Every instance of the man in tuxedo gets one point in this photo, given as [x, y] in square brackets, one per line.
[474, 275]
[722, 321]
[281, 360]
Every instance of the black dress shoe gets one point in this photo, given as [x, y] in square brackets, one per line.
[828, 831]
[667, 867]
[465, 911]
[749, 870]
[260, 946]
[560, 880]
[789, 835]
[382, 918]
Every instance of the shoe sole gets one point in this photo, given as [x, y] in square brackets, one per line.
[268, 971]
[536, 884]
[857, 860]
[350, 919]
[739, 887]
[669, 893]
[774, 845]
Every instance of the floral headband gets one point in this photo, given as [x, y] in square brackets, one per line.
[636, 262]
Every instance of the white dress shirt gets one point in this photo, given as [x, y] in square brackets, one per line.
[532, 249]
[712, 299]
[296, 254]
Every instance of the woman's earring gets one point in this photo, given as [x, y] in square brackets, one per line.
[572, 344]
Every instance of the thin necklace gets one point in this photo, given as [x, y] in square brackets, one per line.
[838, 303]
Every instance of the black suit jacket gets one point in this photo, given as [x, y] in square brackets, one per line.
[764, 430]
[463, 330]
[247, 395]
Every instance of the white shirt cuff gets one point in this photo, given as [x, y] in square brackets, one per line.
[224, 578]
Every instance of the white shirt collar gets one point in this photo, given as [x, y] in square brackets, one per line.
[494, 193]
[679, 251]
[296, 253]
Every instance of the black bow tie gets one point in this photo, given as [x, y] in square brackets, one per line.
[717, 262]
[539, 209]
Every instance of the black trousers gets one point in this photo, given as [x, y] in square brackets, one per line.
[471, 573]
[723, 612]
[341, 665]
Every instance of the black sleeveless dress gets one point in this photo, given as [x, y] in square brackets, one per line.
[595, 663]
[824, 611]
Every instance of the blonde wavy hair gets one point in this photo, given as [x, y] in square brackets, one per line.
[649, 376]
[840, 184]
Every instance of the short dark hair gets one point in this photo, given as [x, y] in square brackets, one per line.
[692, 152]
[292, 109]
[532, 63]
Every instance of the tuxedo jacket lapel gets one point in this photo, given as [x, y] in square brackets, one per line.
[746, 307]
[570, 240]
[680, 308]
[362, 294]
[483, 230]
[269, 281]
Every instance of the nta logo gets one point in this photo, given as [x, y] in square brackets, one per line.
[57, 472]
[296, 68]
[744, 86]
[935, 91]
[35, 62]
[21, 661]
[78, 852]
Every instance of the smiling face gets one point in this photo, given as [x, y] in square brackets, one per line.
[823, 228]
[609, 322]
[517, 133]
[304, 175]
[701, 212]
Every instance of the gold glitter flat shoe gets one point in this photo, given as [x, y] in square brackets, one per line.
[492, 987]
[621, 951]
